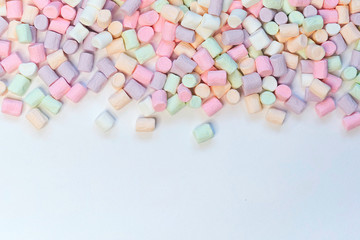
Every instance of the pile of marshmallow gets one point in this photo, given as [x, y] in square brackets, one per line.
[171, 54]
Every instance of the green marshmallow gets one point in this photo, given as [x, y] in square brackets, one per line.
[212, 46]
[334, 63]
[195, 102]
[130, 39]
[253, 53]
[349, 73]
[145, 53]
[271, 28]
[174, 104]
[313, 23]
[172, 82]
[190, 80]
[225, 62]
[296, 17]
[287, 8]
[203, 133]
[235, 79]
[157, 5]
[273, 4]
[50, 104]
[19, 85]
[34, 98]
[267, 98]
[355, 91]
[23, 33]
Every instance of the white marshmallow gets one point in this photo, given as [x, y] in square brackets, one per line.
[89, 15]
[236, 17]
[306, 79]
[79, 32]
[102, 39]
[191, 20]
[274, 48]
[249, 3]
[105, 121]
[251, 24]
[28, 70]
[145, 107]
[210, 22]
[259, 39]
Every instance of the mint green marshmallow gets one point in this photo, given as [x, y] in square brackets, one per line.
[172, 82]
[19, 85]
[271, 28]
[267, 98]
[184, 8]
[145, 53]
[355, 91]
[273, 4]
[174, 105]
[34, 98]
[313, 23]
[195, 102]
[235, 79]
[203, 133]
[349, 73]
[212, 46]
[23, 33]
[190, 80]
[50, 104]
[296, 17]
[334, 63]
[225, 62]
[130, 39]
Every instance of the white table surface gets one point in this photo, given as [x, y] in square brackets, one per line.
[252, 181]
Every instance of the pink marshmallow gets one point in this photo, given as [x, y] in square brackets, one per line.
[11, 63]
[283, 92]
[163, 64]
[159, 100]
[143, 75]
[212, 106]
[263, 66]
[325, 107]
[204, 60]
[352, 121]
[59, 88]
[12, 107]
[184, 93]
[320, 69]
[216, 78]
[77, 92]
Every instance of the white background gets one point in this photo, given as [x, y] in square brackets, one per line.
[252, 181]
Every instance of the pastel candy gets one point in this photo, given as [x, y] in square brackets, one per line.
[19, 85]
[34, 98]
[47, 75]
[50, 104]
[105, 121]
[145, 124]
[325, 107]
[203, 133]
[59, 88]
[97, 82]
[86, 62]
[295, 104]
[70, 47]
[37, 52]
[251, 84]
[158, 81]
[212, 106]
[351, 121]
[68, 71]
[347, 104]
[28, 69]
[37, 118]
[12, 107]
[106, 66]
[134, 89]
[76, 92]
[52, 40]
